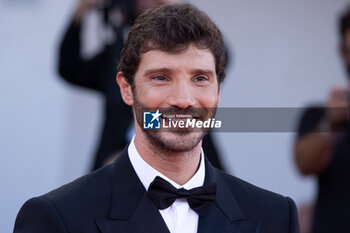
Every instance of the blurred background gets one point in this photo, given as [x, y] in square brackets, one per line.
[283, 54]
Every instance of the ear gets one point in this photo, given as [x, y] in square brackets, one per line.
[125, 89]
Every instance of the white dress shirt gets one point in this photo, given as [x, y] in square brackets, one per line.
[179, 217]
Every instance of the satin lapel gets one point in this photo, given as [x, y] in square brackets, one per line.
[225, 215]
[131, 211]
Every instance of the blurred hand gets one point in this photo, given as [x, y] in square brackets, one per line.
[338, 107]
[84, 6]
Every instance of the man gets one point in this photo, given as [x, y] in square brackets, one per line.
[322, 148]
[96, 73]
[173, 59]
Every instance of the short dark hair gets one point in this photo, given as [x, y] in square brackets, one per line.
[172, 28]
[344, 23]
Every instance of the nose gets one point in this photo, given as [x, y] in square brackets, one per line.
[182, 96]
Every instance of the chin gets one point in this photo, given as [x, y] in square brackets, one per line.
[178, 141]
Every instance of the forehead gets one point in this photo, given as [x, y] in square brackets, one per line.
[189, 59]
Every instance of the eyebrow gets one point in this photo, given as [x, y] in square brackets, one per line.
[206, 72]
[167, 70]
[157, 70]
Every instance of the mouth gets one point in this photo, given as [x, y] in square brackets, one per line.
[172, 114]
[178, 117]
[181, 123]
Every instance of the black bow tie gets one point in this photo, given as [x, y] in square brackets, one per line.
[163, 194]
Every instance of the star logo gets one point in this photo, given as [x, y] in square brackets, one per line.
[151, 120]
[156, 115]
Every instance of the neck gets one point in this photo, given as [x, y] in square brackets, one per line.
[177, 166]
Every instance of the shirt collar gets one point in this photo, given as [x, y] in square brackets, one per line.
[146, 173]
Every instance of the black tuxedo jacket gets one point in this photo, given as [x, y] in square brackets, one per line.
[113, 200]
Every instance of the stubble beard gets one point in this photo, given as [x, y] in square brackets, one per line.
[169, 141]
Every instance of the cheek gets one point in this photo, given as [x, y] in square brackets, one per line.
[152, 96]
[208, 97]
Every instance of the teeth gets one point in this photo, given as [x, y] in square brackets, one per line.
[172, 117]
[177, 119]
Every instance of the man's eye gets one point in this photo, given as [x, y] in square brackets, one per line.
[201, 78]
[159, 78]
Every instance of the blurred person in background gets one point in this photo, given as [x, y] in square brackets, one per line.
[98, 71]
[322, 149]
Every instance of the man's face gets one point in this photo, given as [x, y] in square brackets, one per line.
[177, 82]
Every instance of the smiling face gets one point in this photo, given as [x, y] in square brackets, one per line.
[178, 82]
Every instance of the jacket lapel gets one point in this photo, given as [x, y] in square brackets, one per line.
[131, 211]
[225, 215]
